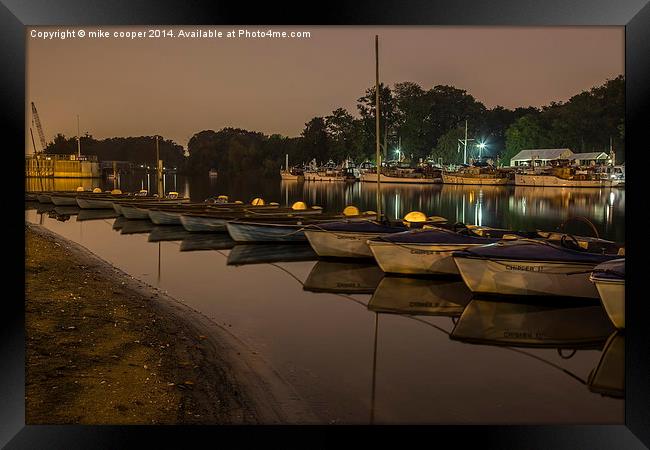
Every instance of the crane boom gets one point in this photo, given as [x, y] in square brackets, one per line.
[37, 121]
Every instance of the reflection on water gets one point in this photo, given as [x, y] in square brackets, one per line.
[533, 325]
[343, 278]
[361, 347]
[608, 377]
[513, 207]
[417, 296]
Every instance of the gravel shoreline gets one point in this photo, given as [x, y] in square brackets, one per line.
[105, 348]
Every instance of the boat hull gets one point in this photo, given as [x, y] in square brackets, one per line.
[317, 177]
[527, 278]
[489, 181]
[416, 259]
[256, 232]
[94, 203]
[63, 200]
[290, 177]
[552, 181]
[340, 244]
[372, 178]
[133, 212]
[201, 224]
[612, 296]
[165, 217]
[44, 198]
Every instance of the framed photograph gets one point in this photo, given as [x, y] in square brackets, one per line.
[375, 214]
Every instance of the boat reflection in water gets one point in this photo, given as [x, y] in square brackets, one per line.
[269, 253]
[137, 226]
[119, 222]
[417, 296]
[168, 233]
[608, 377]
[569, 326]
[95, 214]
[206, 241]
[343, 278]
[67, 210]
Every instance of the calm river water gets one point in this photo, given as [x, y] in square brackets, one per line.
[360, 347]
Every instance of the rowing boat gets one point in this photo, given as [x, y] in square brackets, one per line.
[532, 267]
[609, 278]
[423, 251]
[346, 239]
[287, 229]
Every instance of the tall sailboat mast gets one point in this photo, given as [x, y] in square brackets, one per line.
[378, 153]
[465, 144]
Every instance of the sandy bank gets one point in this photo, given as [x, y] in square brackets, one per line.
[104, 348]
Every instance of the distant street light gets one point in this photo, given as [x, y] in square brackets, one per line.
[481, 146]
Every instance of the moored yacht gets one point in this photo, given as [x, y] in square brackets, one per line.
[479, 175]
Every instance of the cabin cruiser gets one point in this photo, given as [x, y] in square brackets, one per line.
[563, 175]
[479, 175]
[402, 172]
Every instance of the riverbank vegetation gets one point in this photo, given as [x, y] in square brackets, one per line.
[421, 123]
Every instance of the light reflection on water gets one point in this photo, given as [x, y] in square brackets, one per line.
[361, 347]
[514, 207]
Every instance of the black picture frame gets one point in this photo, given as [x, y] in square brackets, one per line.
[15, 15]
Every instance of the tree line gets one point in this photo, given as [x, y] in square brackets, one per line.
[421, 123]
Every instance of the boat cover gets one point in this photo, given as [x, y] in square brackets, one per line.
[359, 227]
[610, 270]
[435, 236]
[532, 250]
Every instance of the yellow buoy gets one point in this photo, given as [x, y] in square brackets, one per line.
[222, 197]
[116, 191]
[299, 206]
[143, 192]
[80, 189]
[239, 202]
[257, 201]
[97, 190]
[172, 195]
[351, 211]
[509, 237]
[415, 216]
